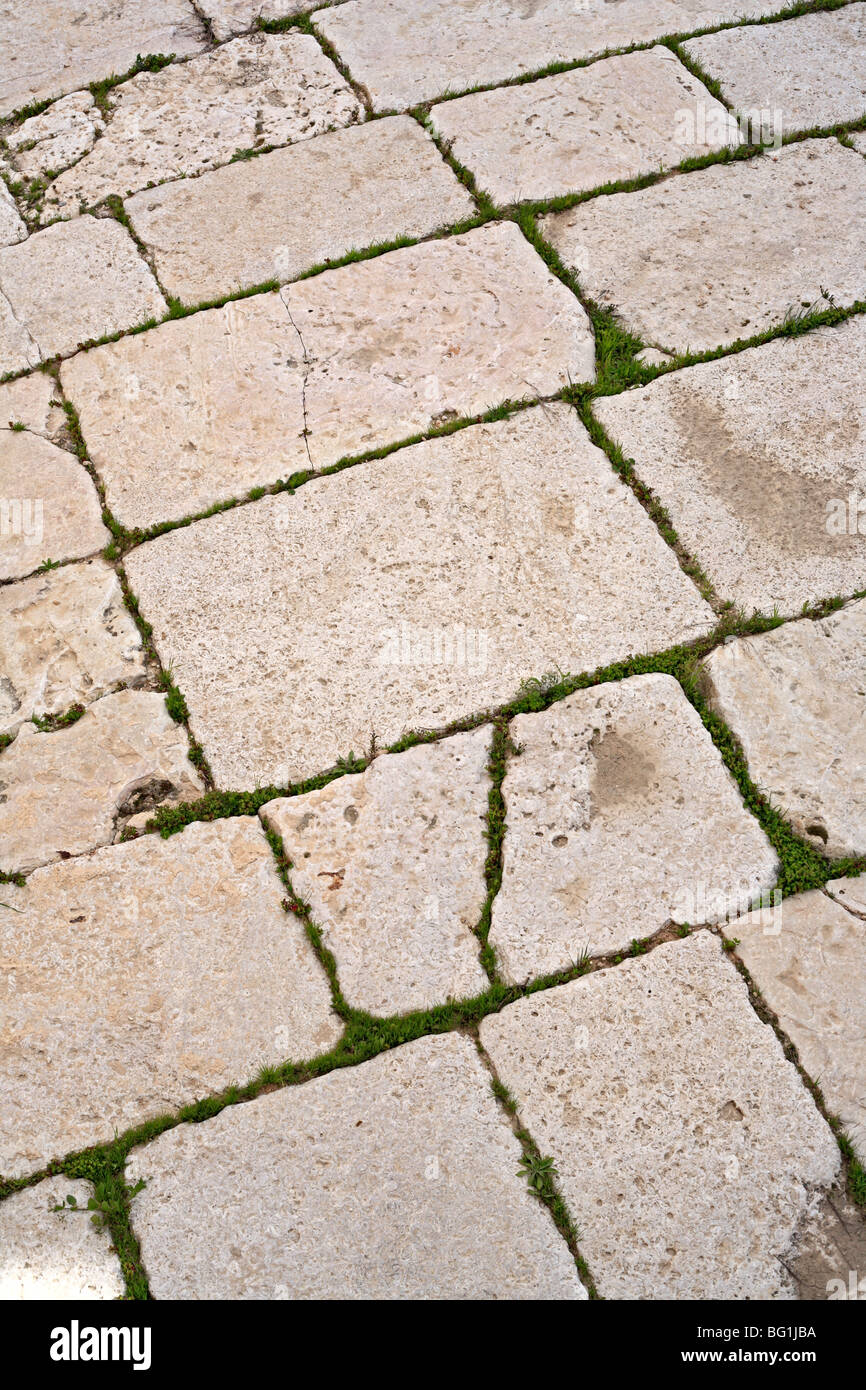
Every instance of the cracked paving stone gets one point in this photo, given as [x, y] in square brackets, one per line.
[796, 699]
[270, 89]
[70, 283]
[829, 1252]
[32, 401]
[755, 458]
[143, 977]
[66, 638]
[404, 53]
[57, 137]
[12, 227]
[203, 408]
[395, 1179]
[422, 587]
[620, 817]
[808, 959]
[70, 790]
[706, 258]
[391, 863]
[230, 17]
[273, 217]
[572, 132]
[49, 507]
[850, 892]
[688, 1150]
[46, 1254]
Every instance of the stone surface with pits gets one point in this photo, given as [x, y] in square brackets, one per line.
[45, 1254]
[229, 17]
[32, 401]
[52, 506]
[47, 143]
[851, 892]
[12, 226]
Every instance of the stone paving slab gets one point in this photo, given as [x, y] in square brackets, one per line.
[850, 892]
[32, 401]
[803, 73]
[273, 217]
[404, 52]
[144, 977]
[396, 1179]
[391, 862]
[58, 136]
[230, 17]
[49, 508]
[830, 1249]
[620, 817]
[407, 592]
[796, 699]
[701, 260]
[204, 408]
[859, 142]
[12, 227]
[809, 962]
[755, 458]
[688, 1150]
[66, 638]
[575, 131]
[46, 1254]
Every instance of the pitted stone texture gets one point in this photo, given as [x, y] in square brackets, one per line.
[391, 862]
[75, 281]
[57, 137]
[271, 89]
[615, 119]
[755, 458]
[204, 408]
[68, 791]
[620, 817]
[422, 587]
[48, 47]
[688, 1150]
[17, 349]
[45, 1254]
[273, 217]
[809, 70]
[829, 1253]
[66, 638]
[31, 401]
[404, 52]
[230, 17]
[858, 140]
[12, 227]
[809, 963]
[850, 892]
[723, 253]
[49, 508]
[396, 1179]
[796, 699]
[144, 977]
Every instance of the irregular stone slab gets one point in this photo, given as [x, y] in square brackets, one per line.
[230, 17]
[396, 1179]
[144, 977]
[723, 253]
[859, 142]
[17, 349]
[12, 227]
[404, 53]
[31, 401]
[75, 281]
[53, 46]
[422, 587]
[276, 216]
[756, 463]
[68, 791]
[796, 699]
[45, 1254]
[805, 72]
[66, 638]
[575, 131]
[49, 508]
[830, 1250]
[850, 892]
[809, 963]
[687, 1147]
[206, 407]
[271, 89]
[621, 817]
[57, 137]
[391, 862]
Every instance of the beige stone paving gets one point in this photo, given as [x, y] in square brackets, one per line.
[50, 506]
[32, 401]
[229, 17]
[12, 227]
[45, 1254]
[58, 136]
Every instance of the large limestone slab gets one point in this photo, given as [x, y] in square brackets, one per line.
[809, 964]
[615, 119]
[204, 408]
[58, 136]
[45, 1254]
[273, 217]
[49, 508]
[621, 816]
[52, 46]
[69, 790]
[270, 89]
[796, 699]
[146, 976]
[229, 17]
[66, 638]
[404, 52]
[803, 73]
[688, 1150]
[756, 460]
[32, 401]
[723, 253]
[407, 592]
[396, 1179]
[391, 862]
[12, 227]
